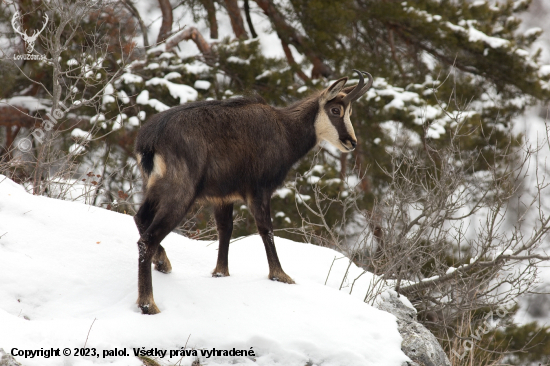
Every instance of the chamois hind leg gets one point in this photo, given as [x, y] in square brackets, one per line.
[224, 223]
[143, 219]
[169, 213]
[261, 210]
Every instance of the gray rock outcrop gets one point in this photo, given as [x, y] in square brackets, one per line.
[418, 342]
[7, 359]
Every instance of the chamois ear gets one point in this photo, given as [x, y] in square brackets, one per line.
[332, 91]
[348, 89]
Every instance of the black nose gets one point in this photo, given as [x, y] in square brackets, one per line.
[353, 143]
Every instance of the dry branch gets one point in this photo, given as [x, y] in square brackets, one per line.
[187, 34]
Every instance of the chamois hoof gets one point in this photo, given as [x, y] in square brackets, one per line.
[149, 309]
[220, 273]
[163, 266]
[282, 277]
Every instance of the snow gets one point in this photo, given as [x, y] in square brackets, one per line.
[69, 278]
[387, 295]
[478, 3]
[29, 103]
[197, 67]
[123, 97]
[134, 121]
[532, 32]
[544, 70]
[264, 74]
[76, 149]
[97, 117]
[152, 66]
[283, 192]
[202, 84]
[129, 78]
[399, 95]
[81, 134]
[108, 94]
[184, 92]
[172, 75]
[475, 35]
[143, 98]
[236, 60]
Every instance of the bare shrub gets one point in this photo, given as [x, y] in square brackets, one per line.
[459, 233]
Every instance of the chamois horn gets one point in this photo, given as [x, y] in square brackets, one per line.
[360, 89]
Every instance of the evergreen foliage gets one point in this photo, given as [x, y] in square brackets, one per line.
[432, 60]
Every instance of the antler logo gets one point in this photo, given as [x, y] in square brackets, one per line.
[29, 40]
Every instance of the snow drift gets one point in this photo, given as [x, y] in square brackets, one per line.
[64, 264]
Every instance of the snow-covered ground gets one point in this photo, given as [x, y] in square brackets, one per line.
[68, 278]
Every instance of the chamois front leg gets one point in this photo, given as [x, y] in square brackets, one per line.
[224, 223]
[262, 215]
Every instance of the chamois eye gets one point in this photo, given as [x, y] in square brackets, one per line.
[335, 111]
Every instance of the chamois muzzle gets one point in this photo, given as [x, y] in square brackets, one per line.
[349, 144]
[360, 89]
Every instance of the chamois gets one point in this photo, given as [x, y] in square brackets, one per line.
[239, 149]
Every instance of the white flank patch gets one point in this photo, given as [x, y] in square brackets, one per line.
[66, 264]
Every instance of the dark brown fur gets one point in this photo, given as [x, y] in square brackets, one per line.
[219, 151]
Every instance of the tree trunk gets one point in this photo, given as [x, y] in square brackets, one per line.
[167, 19]
[130, 6]
[291, 36]
[292, 62]
[236, 19]
[249, 19]
[212, 20]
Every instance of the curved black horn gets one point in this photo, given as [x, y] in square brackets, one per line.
[359, 90]
[354, 93]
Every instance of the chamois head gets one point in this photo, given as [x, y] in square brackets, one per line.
[333, 120]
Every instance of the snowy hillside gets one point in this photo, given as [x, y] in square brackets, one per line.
[64, 264]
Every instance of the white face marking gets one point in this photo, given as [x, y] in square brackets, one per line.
[347, 123]
[325, 130]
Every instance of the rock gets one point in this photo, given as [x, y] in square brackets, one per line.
[7, 359]
[419, 344]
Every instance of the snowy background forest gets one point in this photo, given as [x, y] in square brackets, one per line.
[444, 200]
